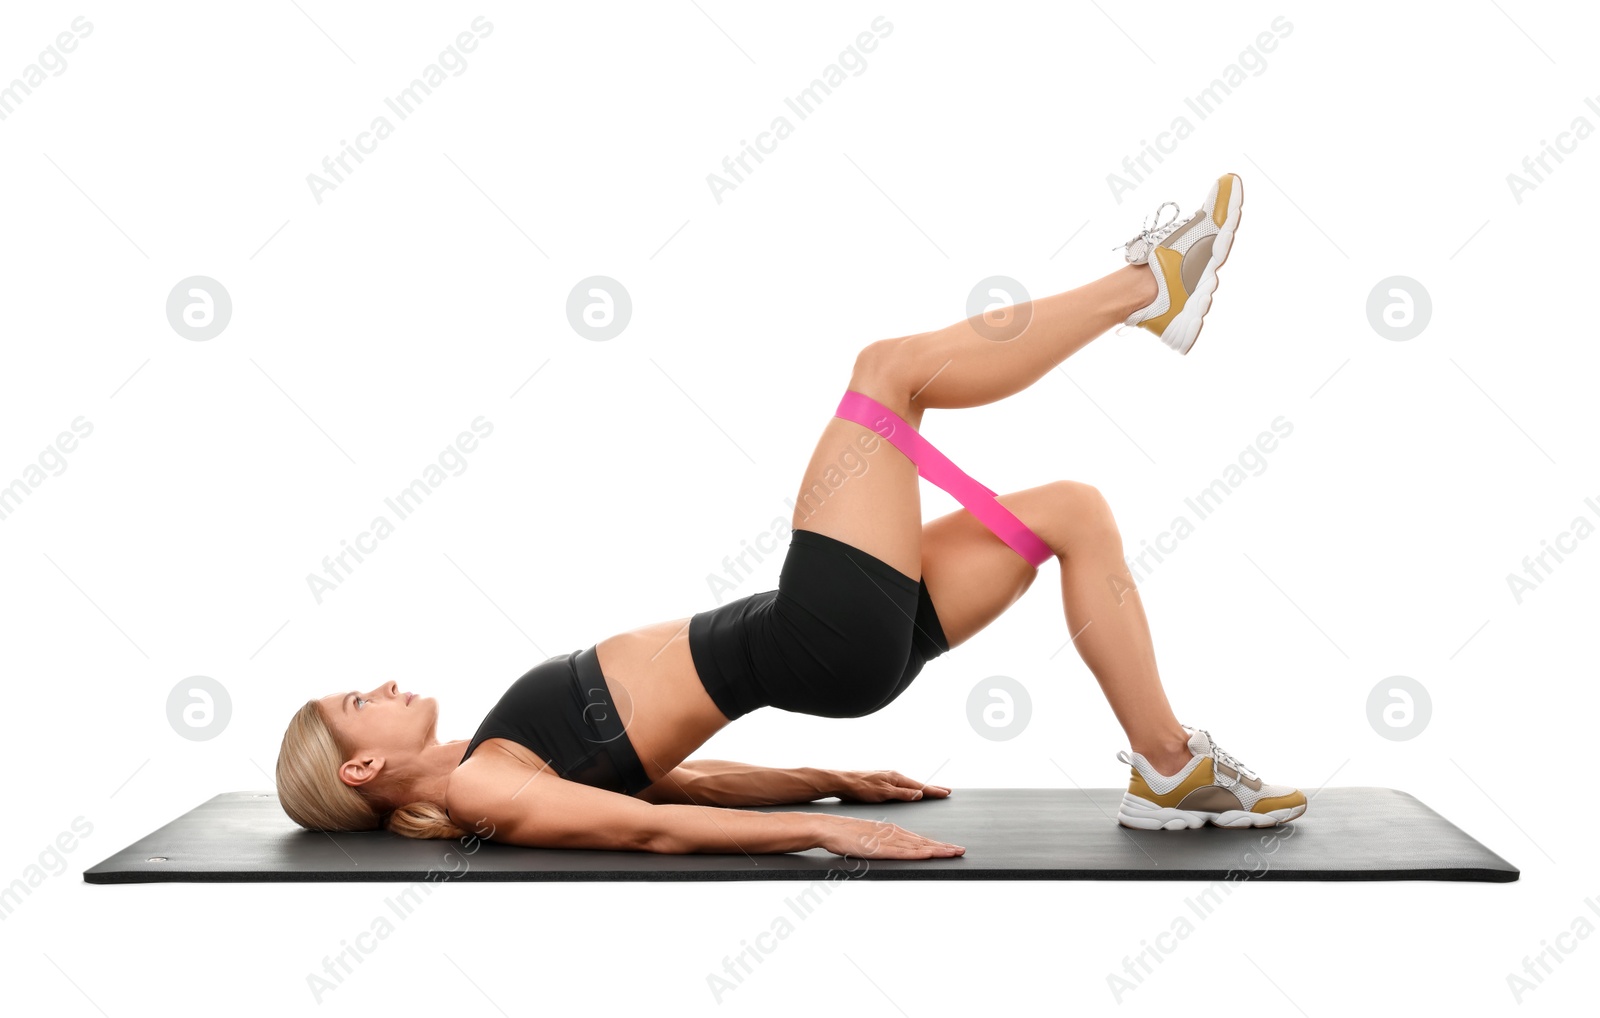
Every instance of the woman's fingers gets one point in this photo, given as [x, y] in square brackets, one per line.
[891, 841]
[878, 839]
[884, 786]
[907, 845]
[903, 787]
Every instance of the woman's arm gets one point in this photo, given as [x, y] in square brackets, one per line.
[547, 811]
[726, 783]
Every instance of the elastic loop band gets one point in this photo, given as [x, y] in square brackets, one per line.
[936, 467]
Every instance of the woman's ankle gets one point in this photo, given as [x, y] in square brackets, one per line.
[1139, 288]
[1168, 753]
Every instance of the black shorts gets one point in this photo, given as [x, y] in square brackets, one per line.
[841, 637]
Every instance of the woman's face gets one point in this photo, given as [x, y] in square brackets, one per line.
[381, 721]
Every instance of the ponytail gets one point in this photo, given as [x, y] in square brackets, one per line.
[423, 820]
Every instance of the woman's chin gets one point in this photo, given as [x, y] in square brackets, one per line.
[428, 710]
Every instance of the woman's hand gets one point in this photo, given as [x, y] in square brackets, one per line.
[883, 786]
[877, 839]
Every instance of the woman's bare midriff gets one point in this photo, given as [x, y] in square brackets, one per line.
[666, 711]
[665, 708]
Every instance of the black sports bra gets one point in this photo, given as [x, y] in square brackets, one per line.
[562, 710]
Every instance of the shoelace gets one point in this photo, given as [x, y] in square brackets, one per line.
[1152, 233]
[1223, 756]
[1217, 752]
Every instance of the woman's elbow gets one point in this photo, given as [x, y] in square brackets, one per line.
[660, 841]
[659, 833]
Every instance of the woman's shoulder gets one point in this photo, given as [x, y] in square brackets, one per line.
[487, 782]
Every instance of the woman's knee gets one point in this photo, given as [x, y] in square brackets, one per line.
[1079, 515]
[883, 371]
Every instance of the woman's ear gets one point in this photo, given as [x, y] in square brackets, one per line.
[357, 771]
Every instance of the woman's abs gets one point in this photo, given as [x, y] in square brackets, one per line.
[664, 706]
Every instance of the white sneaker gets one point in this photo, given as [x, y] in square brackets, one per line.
[1185, 258]
[1213, 787]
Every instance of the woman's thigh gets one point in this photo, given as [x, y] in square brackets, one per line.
[857, 487]
[972, 575]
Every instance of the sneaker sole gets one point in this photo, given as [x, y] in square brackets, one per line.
[1144, 815]
[1185, 329]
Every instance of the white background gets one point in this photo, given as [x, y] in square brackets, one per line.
[369, 329]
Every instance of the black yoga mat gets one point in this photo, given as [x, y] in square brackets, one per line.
[1009, 834]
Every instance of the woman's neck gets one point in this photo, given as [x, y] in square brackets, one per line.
[427, 775]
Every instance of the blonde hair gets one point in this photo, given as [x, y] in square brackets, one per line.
[310, 791]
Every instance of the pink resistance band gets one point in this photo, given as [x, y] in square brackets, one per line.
[935, 466]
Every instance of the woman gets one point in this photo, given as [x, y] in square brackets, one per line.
[590, 749]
